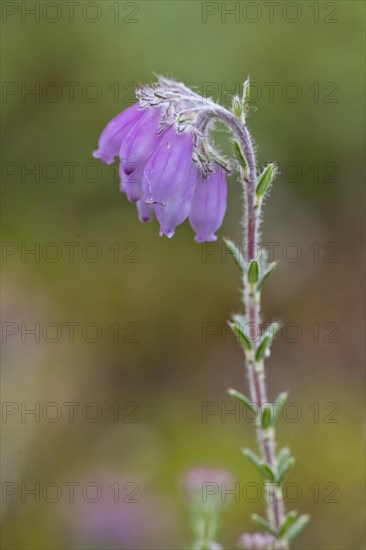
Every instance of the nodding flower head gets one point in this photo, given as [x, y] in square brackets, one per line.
[169, 165]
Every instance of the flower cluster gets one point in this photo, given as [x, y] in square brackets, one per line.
[196, 479]
[168, 166]
[203, 487]
[256, 541]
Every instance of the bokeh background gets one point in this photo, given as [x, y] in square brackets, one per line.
[120, 398]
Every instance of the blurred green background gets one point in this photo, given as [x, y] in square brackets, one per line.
[150, 348]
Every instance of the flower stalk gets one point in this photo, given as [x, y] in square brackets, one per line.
[255, 187]
[255, 270]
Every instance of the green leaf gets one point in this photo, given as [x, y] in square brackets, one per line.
[262, 348]
[236, 107]
[284, 469]
[271, 331]
[271, 412]
[262, 467]
[253, 272]
[267, 416]
[265, 275]
[265, 180]
[238, 329]
[287, 522]
[278, 405]
[246, 92]
[253, 458]
[297, 527]
[242, 399]
[236, 254]
[283, 456]
[239, 154]
[263, 524]
[268, 472]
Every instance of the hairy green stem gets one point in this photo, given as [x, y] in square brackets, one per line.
[252, 310]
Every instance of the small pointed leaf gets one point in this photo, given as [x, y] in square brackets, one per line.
[238, 330]
[297, 527]
[253, 272]
[262, 467]
[242, 399]
[246, 92]
[283, 456]
[236, 107]
[266, 274]
[279, 404]
[253, 458]
[268, 472]
[263, 524]
[285, 468]
[265, 180]
[236, 254]
[267, 416]
[271, 331]
[262, 348]
[287, 522]
[239, 154]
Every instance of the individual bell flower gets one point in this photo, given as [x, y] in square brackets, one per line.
[146, 211]
[172, 213]
[111, 138]
[208, 205]
[131, 183]
[165, 177]
[140, 143]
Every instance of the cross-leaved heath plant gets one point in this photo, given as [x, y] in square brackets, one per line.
[171, 169]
